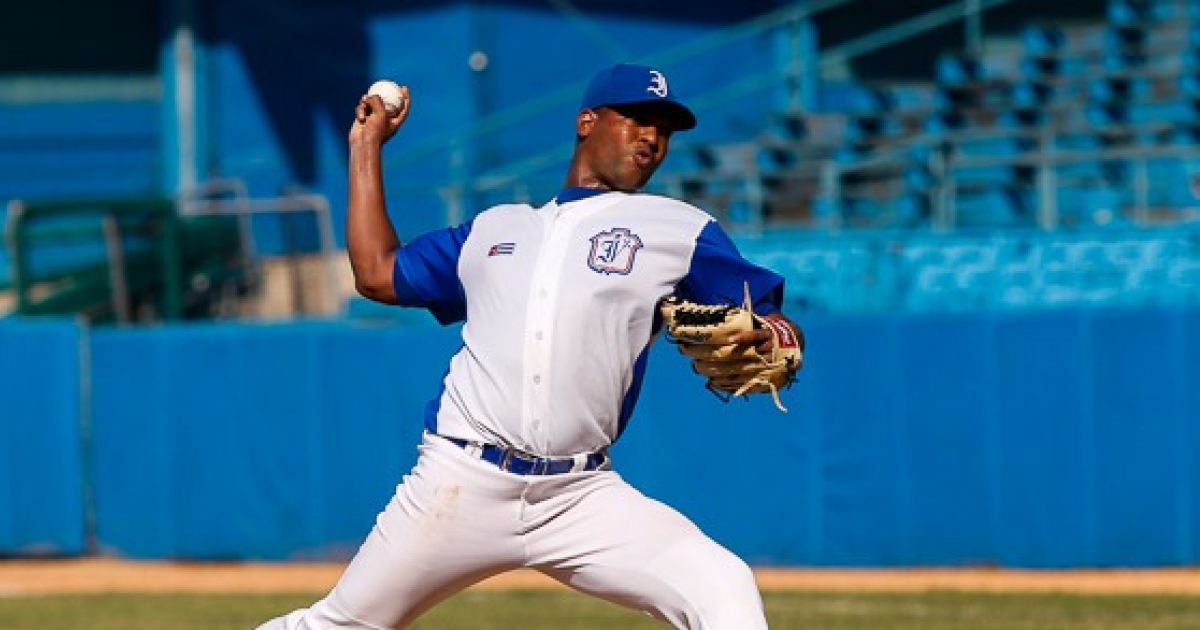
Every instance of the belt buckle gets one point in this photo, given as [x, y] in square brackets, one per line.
[535, 465]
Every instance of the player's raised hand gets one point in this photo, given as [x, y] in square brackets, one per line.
[377, 120]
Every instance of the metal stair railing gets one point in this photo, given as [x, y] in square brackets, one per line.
[229, 197]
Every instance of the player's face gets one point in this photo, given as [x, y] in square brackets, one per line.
[627, 145]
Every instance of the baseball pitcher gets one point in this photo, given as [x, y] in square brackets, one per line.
[560, 304]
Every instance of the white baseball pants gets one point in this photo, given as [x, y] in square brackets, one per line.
[456, 520]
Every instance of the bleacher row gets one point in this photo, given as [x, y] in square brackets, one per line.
[883, 272]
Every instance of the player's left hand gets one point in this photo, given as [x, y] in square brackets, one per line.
[763, 340]
[736, 350]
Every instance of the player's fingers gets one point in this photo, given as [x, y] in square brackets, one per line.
[362, 110]
[372, 104]
[758, 338]
[396, 117]
[372, 121]
[402, 111]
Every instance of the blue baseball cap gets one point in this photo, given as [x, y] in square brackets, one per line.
[628, 84]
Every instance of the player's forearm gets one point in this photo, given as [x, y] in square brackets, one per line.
[370, 236]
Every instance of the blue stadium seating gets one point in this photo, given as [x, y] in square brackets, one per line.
[1091, 110]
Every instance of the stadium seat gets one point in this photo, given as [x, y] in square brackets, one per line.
[1043, 39]
[992, 206]
[943, 122]
[1188, 85]
[1136, 12]
[826, 212]
[987, 159]
[792, 126]
[870, 128]
[1127, 60]
[1119, 88]
[868, 212]
[1103, 114]
[871, 101]
[1173, 182]
[1018, 117]
[957, 70]
[1189, 58]
[775, 158]
[917, 177]
[1028, 94]
[1089, 205]
[1076, 162]
[913, 209]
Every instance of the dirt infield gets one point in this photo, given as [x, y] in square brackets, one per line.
[27, 577]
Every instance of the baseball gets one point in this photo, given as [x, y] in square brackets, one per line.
[392, 97]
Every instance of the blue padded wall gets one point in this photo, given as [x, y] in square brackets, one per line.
[42, 505]
[254, 441]
[1053, 439]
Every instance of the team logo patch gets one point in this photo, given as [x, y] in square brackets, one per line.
[501, 249]
[613, 251]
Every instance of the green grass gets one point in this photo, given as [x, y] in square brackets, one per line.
[561, 610]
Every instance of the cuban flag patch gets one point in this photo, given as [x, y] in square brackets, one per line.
[501, 249]
[613, 251]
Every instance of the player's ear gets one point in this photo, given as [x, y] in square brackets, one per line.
[585, 122]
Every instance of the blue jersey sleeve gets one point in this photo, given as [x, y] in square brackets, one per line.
[718, 273]
[426, 274]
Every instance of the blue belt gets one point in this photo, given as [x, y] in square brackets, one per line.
[521, 463]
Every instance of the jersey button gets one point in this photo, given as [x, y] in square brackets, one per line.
[538, 335]
[537, 378]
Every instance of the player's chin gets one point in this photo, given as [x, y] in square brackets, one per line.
[639, 175]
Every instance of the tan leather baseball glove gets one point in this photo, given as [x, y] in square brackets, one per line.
[704, 332]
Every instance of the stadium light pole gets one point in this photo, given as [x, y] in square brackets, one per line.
[182, 68]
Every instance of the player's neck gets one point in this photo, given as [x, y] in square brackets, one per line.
[577, 193]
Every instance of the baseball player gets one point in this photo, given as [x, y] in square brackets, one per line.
[559, 304]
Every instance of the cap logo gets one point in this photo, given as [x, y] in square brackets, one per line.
[658, 84]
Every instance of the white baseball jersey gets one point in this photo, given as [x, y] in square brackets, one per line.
[560, 309]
